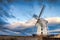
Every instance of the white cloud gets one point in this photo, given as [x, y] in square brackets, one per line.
[53, 20]
[56, 30]
[32, 22]
[22, 25]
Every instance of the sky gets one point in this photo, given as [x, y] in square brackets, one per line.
[22, 11]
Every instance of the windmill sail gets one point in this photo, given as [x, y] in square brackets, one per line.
[41, 11]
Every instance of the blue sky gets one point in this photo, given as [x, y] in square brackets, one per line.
[23, 11]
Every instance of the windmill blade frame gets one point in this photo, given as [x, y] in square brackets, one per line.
[43, 7]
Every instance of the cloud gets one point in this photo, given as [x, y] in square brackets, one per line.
[56, 30]
[31, 23]
[53, 20]
[9, 32]
[22, 25]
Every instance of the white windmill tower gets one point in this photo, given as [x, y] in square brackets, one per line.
[41, 24]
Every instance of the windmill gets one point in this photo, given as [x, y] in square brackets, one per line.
[42, 28]
[41, 24]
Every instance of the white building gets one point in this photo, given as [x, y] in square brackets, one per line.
[42, 27]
